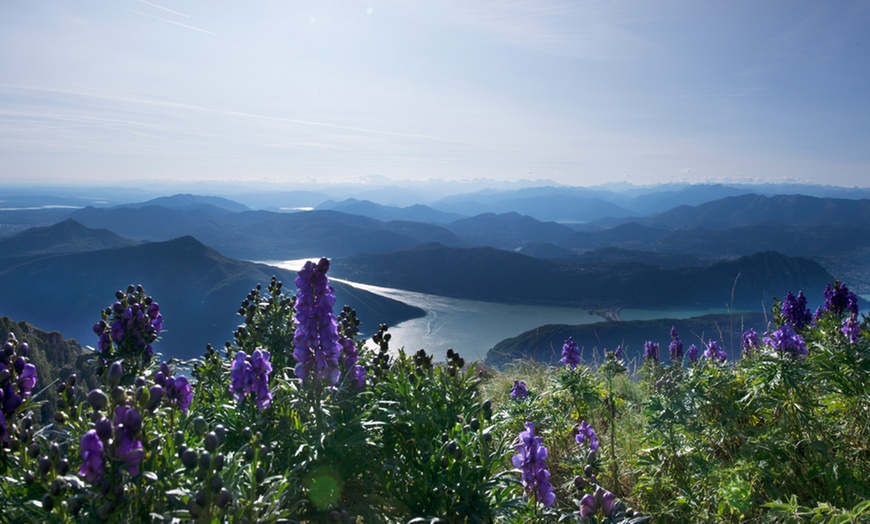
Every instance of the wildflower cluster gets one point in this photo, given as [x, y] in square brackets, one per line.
[176, 390]
[839, 302]
[129, 328]
[601, 501]
[114, 441]
[795, 312]
[250, 375]
[618, 353]
[675, 349]
[570, 354]
[585, 434]
[714, 352]
[749, 341]
[651, 351]
[786, 342]
[519, 391]
[531, 461]
[17, 380]
[317, 345]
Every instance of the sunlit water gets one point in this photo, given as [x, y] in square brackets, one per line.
[473, 327]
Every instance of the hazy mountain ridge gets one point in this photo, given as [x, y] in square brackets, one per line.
[367, 208]
[500, 276]
[198, 289]
[508, 230]
[187, 201]
[753, 209]
[266, 234]
[67, 236]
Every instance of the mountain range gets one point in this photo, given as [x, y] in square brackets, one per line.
[501, 276]
[199, 289]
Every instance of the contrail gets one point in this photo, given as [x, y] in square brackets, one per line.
[174, 22]
[192, 107]
[163, 8]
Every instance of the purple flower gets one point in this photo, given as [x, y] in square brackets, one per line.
[852, 329]
[786, 341]
[602, 500]
[839, 300]
[607, 502]
[93, 462]
[618, 353]
[251, 375]
[130, 326]
[519, 391]
[588, 508]
[676, 346]
[749, 341]
[692, 353]
[531, 461]
[570, 354]
[128, 448]
[11, 400]
[27, 380]
[177, 390]
[795, 312]
[715, 352]
[586, 433]
[651, 351]
[350, 357]
[180, 393]
[317, 345]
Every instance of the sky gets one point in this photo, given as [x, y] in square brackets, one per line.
[576, 92]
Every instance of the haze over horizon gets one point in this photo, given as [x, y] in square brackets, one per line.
[574, 92]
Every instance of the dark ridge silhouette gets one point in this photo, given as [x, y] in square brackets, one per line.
[199, 291]
[501, 276]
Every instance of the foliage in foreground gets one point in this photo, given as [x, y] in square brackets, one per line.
[298, 420]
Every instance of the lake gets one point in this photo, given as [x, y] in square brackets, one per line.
[472, 327]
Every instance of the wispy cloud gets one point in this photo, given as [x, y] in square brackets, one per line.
[227, 112]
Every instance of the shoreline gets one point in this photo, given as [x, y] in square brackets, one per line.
[611, 313]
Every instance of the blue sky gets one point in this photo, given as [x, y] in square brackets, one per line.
[578, 92]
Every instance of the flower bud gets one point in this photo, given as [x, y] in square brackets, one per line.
[54, 452]
[116, 372]
[155, 395]
[44, 464]
[221, 433]
[119, 395]
[218, 462]
[200, 425]
[201, 498]
[223, 498]
[47, 503]
[216, 484]
[211, 441]
[189, 458]
[205, 460]
[143, 396]
[55, 488]
[103, 428]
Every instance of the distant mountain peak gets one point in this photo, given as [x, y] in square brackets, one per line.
[68, 236]
[188, 200]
